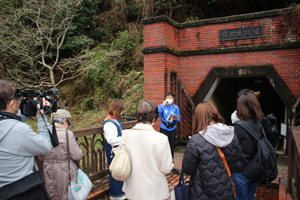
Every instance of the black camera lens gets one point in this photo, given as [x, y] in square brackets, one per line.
[18, 94]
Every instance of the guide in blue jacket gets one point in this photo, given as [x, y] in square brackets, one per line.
[169, 114]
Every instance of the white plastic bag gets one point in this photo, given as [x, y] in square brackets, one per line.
[81, 189]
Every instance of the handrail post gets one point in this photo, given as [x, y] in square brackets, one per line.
[291, 162]
[294, 159]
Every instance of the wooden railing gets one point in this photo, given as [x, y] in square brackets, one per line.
[294, 161]
[186, 106]
[91, 141]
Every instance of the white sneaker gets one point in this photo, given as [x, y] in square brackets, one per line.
[117, 197]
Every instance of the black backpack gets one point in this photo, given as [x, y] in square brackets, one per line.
[263, 167]
[270, 125]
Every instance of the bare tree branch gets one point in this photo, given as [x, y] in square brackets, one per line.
[33, 35]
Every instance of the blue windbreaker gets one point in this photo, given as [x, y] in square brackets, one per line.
[163, 113]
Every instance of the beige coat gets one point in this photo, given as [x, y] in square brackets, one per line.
[151, 159]
[56, 172]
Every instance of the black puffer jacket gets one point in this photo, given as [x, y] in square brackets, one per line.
[209, 177]
[247, 142]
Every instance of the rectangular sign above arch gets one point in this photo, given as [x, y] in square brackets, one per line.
[241, 33]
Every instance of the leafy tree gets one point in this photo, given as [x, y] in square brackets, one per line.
[83, 31]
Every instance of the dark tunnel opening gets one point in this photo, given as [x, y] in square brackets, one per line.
[224, 96]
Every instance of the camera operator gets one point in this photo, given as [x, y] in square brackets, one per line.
[19, 175]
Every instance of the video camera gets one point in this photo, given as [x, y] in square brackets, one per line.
[29, 107]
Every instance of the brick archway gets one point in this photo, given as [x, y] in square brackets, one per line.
[246, 71]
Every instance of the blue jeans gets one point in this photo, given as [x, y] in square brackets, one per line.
[245, 189]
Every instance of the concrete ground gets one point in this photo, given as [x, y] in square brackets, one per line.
[276, 190]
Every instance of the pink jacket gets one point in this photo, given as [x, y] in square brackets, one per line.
[56, 172]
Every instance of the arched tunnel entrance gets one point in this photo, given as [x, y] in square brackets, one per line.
[224, 96]
[222, 84]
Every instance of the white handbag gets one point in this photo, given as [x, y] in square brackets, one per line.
[81, 189]
[120, 166]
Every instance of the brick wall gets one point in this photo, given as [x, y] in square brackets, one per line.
[161, 34]
[181, 47]
[155, 76]
[276, 30]
[193, 69]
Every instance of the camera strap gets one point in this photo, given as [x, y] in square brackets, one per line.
[6, 115]
[53, 135]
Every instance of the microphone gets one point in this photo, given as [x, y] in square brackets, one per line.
[53, 91]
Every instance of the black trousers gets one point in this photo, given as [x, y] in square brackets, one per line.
[37, 193]
[171, 137]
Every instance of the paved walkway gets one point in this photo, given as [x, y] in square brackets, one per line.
[276, 190]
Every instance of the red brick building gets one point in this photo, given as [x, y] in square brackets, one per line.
[215, 58]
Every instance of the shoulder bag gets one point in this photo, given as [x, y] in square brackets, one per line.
[81, 189]
[120, 166]
[21, 186]
[182, 190]
[227, 168]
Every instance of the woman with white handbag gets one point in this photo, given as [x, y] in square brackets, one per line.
[113, 135]
[150, 156]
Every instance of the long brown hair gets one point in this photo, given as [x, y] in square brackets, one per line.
[248, 107]
[115, 108]
[205, 113]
